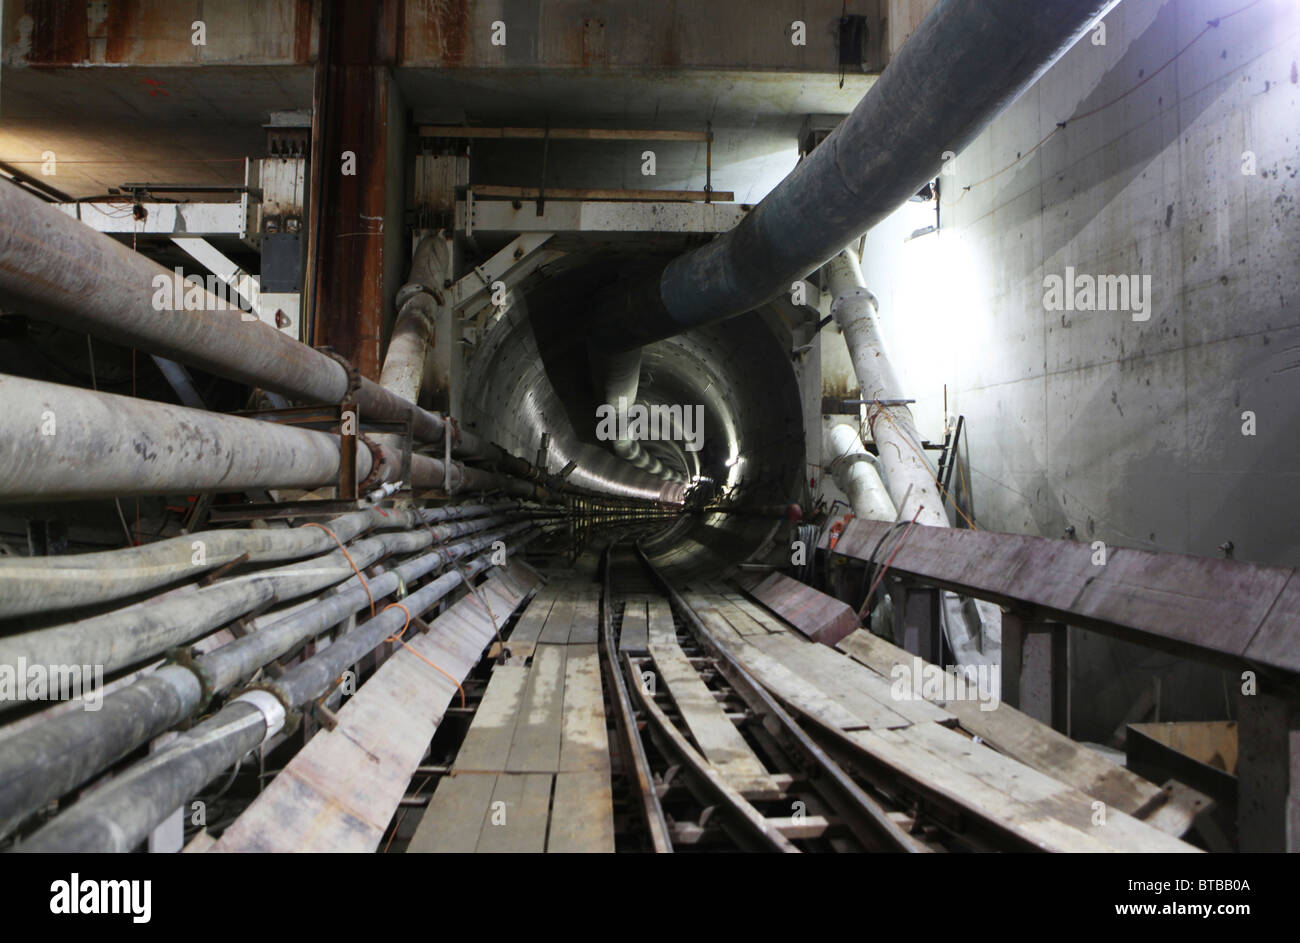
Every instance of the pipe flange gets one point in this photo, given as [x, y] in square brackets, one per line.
[376, 463]
[184, 658]
[354, 375]
[846, 461]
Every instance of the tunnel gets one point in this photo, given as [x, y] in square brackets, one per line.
[622, 427]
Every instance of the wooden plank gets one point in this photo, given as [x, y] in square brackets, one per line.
[634, 635]
[796, 690]
[582, 811]
[560, 134]
[819, 616]
[724, 608]
[1041, 810]
[1022, 737]
[517, 816]
[487, 742]
[659, 621]
[340, 791]
[1208, 608]
[539, 726]
[529, 626]
[590, 193]
[559, 621]
[584, 738]
[582, 814]
[455, 815]
[586, 618]
[456, 812]
[860, 690]
[762, 616]
[716, 736]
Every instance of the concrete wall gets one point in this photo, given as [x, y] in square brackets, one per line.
[1129, 431]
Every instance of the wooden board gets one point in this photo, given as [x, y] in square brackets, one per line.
[582, 809]
[858, 688]
[633, 636]
[716, 736]
[659, 621]
[1020, 736]
[819, 616]
[796, 690]
[341, 790]
[533, 773]
[1042, 811]
[529, 626]
[586, 618]
[582, 814]
[559, 621]
[538, 727]
[517, 815]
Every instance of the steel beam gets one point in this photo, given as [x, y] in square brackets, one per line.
[597, 216]
[195, 220]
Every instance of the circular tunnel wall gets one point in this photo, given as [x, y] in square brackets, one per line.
[531, 374]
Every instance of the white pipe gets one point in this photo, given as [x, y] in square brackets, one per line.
[855, 474]
[911, 481]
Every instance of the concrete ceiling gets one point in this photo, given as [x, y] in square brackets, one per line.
[112, 124]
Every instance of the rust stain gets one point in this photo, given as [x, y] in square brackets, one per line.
[351, 306]
[120, 30]
[303, 25]
[58, 32]
[450, 37]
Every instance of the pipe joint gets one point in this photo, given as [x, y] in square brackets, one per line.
[274, 707]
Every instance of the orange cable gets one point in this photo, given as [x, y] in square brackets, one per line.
[398, 638]
[364, 584]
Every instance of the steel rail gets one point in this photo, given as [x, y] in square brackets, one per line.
[865, 817]
[744, 818]
[637, 764]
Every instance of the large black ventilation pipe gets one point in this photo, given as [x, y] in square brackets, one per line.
[967, 61]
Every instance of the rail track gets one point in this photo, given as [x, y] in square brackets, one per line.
[712, 761]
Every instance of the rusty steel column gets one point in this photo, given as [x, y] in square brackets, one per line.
[349, 179]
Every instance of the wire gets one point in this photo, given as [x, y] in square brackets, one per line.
[464, 577]
[867, 602]
[407, 646]
[364, 584]
[1060, 125]
[924, 461]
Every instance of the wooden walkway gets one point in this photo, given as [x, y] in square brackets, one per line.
[533, 773]
[341, 790]
[1048, 791]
